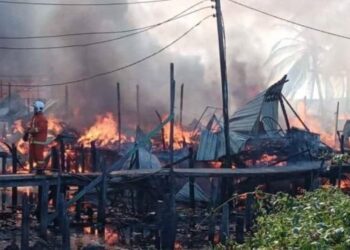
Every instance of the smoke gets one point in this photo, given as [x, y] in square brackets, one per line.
[250, 36]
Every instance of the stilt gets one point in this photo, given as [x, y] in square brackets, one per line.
[249, 212]
[64, 222]
[94, 156]
[14, 171]
[44, 200]
[102, 202]
[240, 228]
[25, 223]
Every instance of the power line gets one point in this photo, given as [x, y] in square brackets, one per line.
[290, 21]
[95, 32]
[120, 68]
[82, 4]
[108, 40]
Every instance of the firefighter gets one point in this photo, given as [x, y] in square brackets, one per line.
[36, 135]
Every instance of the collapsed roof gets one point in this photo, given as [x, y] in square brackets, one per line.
[260, 113]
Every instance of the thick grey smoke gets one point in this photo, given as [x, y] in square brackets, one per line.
[250, 37]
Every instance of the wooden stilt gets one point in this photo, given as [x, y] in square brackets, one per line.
[102, 202]
[25, 223]
[14, 171]
[249, 211]
[64, 222]
[44, 200]
[94, 156]
[240, 228]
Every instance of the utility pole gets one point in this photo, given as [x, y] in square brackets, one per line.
[227, 162]
[225, 186]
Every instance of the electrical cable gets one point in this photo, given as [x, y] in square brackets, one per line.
[108, 40]
[120, 68]
[290, 21]
[88, 33]
[82, 4]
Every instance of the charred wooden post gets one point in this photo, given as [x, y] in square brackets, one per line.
[169, 222]
[181, 104]
[55, 167]
[162, 130]
[25, 223]
[14, 171]
[102, 203]
[249, 212]
[309, 179]
[211, 222]
[93, 156]
[240, 228]
[225, 224]
[44, 200]
[3, 156]
[172, 106]
[64, 222]
[62, 155]
[119, 117]
[336, 123]
[191, 182]
[284, 113]
[82, 158]
[68, 164]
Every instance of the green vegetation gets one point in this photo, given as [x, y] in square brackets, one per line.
[316, 220]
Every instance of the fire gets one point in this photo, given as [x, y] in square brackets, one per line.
[313, 124]
[17, 127]
[345, 183]
[104, 132]
[181, 137]
[215, 164]
[266, 160]
[54, 125]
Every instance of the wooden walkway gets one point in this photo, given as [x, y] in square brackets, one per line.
[16, 180]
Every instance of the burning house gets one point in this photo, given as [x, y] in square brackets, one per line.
[261, 134]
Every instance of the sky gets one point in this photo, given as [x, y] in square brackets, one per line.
[250, 39]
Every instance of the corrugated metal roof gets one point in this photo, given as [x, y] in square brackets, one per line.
[243, 124]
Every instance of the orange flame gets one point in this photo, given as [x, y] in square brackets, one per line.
[181, 136]
[104, 132]
[54, 125]
[266, 160]
[313, 124]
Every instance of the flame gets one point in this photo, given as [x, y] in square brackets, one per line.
[266, 160]
[104, 132]
[345, 183]
[313, 124]
[215, 164]
[54, 125]
[17, 127]
[181, 136]
[111, 237]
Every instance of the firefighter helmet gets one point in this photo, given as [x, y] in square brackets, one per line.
[39, 105]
